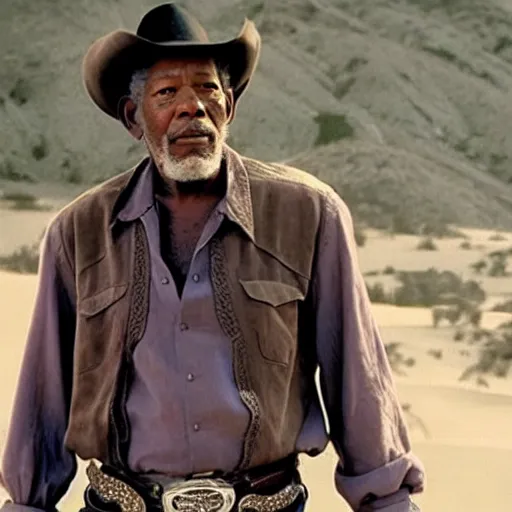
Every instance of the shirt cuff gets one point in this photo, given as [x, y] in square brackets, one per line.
[396, 502]
[384, 483]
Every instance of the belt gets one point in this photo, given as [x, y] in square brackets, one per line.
[273, 487]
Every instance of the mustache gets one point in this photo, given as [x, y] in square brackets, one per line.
[195, 129]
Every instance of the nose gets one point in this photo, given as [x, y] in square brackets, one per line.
[188, 104]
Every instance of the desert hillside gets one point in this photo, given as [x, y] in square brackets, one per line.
[421, 85]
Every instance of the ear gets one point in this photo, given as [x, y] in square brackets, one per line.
[230, 105]
[126, 113]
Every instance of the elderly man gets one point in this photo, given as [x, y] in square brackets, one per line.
[185, 306]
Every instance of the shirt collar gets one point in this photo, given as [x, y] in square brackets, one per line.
[137, 197]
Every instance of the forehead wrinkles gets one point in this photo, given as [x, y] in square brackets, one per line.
[178, 70]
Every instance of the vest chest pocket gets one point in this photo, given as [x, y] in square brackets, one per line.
[272, 311]
[100, 326]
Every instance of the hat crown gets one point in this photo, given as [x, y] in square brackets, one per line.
[168, 23]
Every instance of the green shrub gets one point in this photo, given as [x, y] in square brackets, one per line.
[9, 172]
[24, 260]
[478, 266]
[332, 127]
[426, 244]
[24, 201]
[40, 150]
[359, 236]
[377, 294]
[503, 307]
[465, 245]
[20, 92]
[429, 287]
[497, 237]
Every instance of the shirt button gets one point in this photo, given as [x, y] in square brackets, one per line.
[195, 278]
[183, 327]
[165, 280]
[190, 377]
[196, 427]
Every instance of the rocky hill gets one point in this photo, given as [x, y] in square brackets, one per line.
[403, 105]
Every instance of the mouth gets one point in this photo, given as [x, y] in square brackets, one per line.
[193, 138]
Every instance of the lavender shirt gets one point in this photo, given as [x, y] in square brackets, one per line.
[185, 411]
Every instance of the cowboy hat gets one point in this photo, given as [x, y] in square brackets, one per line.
[166, 31]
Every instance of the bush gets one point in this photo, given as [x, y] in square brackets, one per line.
[332, 127]
[503, 307]
[40, 150]
[478, 266]
[9, 172]
[359, 236]
[24, 201]
[377, 294]
[24, 260]
[465, 245]
[429, 287]
[20, 92]
[389, 270]
[426, 244]
[497, 237]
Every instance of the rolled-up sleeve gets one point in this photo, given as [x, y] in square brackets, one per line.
[376, 469]
[37, 469]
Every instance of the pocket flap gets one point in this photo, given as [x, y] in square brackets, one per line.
[93, 305]
[271, 292]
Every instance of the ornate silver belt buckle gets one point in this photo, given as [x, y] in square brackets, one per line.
[201, 495]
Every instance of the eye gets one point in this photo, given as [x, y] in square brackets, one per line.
[211, 86]
[166, 91]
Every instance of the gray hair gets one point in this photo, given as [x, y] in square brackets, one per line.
[137, 85]
[140, 77]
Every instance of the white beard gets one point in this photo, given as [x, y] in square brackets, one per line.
[190, 168]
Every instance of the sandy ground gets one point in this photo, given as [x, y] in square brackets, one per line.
[461, 431]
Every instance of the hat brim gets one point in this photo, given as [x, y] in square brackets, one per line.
[111, 61]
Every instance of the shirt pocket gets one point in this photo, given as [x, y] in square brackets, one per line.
[100, 326]
[273, 313]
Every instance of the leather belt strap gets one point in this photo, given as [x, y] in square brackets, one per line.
[269, 488]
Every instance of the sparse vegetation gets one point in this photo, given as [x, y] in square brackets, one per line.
[331, 128]
[24, 260]
[71, 172]
[495, 356]
[397, 361]
[426, 244]
[20, 92]
[436, 354]
[498, 266]
[503, 307]
[40, 149]
[466, 245]
[377, 294]
[359, 235]
[23, 201]
[428, 288]
[9, 172]
[478, 266]
[497, 237]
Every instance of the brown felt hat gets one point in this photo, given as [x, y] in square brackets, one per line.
[167, 31]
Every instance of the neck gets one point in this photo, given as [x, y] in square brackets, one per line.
[180, 191]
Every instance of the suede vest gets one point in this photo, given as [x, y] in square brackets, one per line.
[260, 279]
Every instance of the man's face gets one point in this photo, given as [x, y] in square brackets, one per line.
[184, 114]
